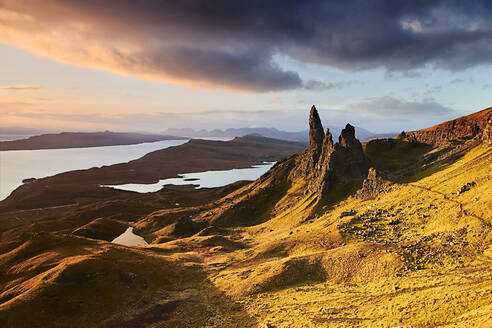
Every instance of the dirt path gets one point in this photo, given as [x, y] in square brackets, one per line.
[460, 205]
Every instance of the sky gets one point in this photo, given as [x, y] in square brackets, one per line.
[127, 65]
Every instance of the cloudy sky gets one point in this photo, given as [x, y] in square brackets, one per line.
[131, 65]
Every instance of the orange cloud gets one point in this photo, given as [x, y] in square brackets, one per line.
[22, 87]
[78, 36]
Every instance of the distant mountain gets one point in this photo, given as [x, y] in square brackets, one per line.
[81, 139]
[382, 136]
[299, 136]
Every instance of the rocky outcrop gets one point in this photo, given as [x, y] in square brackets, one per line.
[487, 133]
[322, 168]
[470, 127]
[325, 163]
[372, 186]
[452, 139]
[350, 159]
[317, 139]
[316, 133]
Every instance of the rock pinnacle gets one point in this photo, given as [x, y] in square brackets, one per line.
[316, 133]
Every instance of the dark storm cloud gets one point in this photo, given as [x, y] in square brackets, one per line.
[241, 70]
[232, 44]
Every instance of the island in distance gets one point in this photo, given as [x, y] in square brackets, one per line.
[82, 139]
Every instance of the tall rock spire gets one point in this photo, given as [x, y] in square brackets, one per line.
[347, 137]
[316, 133]
[324, 163]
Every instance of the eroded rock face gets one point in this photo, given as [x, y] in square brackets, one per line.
[352, 160]
[487, 133]
[466, 128]
[372, 186]
[324, 163]
[312, 154]
[453, 138]
[316, 133]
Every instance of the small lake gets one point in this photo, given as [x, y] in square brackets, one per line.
[128, 238]
[16, 165]
[207, 179]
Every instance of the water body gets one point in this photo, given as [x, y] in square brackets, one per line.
[9, 137]
[128, 238]
[207, 179]
[16, 165]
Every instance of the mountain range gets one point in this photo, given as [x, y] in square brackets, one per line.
[299, 136]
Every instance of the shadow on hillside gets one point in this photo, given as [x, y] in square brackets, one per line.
[339, 193]
[88, 283]
[428, 171]
[401, 161]
[394, 155]
[210, 307]
[194, 301]
[258, 206]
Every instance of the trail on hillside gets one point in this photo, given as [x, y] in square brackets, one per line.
[460, 204]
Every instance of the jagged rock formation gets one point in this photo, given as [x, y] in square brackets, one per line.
[324, 171]
[310, 156]
[320, 169]
[324, 163]
[470, 127]
[316, 134]
[372, 186]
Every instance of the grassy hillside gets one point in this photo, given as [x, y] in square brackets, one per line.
[418, 255]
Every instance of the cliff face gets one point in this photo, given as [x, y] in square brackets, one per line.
[470, 127]
[324, 163]
[316, 134]
[372, 186]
